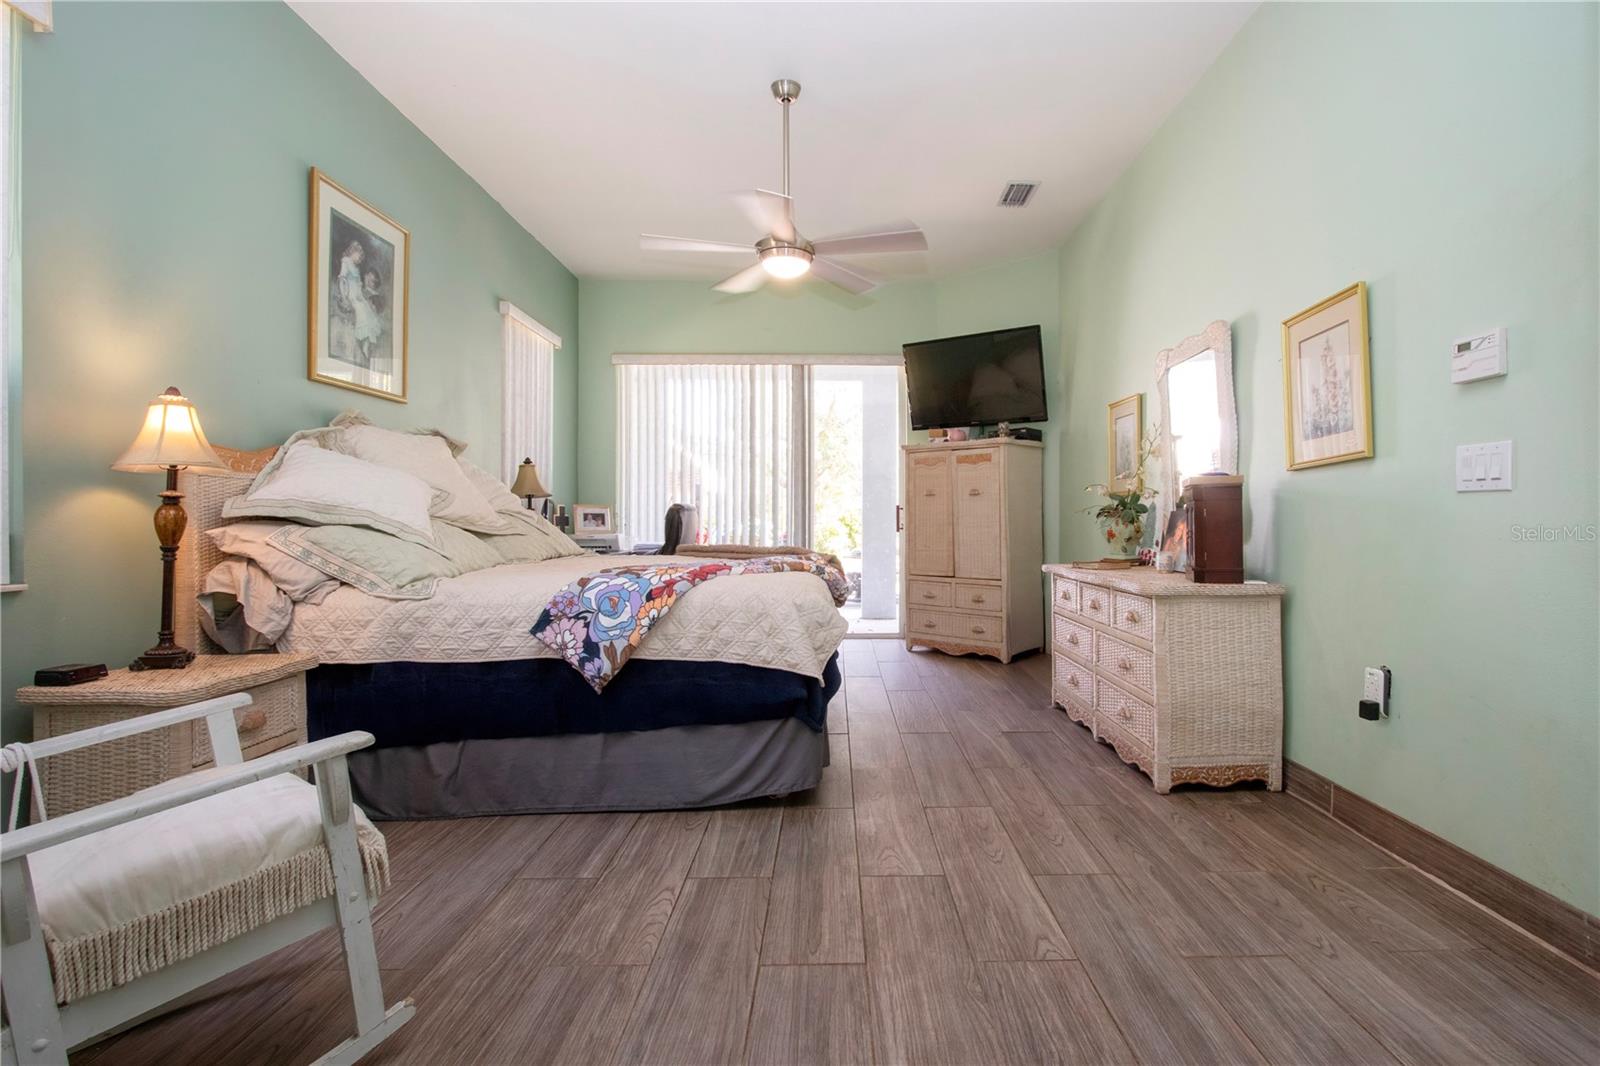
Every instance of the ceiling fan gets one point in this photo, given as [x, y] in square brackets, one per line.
[783, 253]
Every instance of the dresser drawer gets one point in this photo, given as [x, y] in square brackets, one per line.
[1134, 614]
[1133, 716]
[1095, 602]
[984, 629]
[1072, 683]
[928, 593]
[1064, 596]
[1129, 664]
[980, 597]
[978, 629]
[924, 623]
[1072, 638]
[275, 717]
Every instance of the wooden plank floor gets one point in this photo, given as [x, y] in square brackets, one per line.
[976, 881]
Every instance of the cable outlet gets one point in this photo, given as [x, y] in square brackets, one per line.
[1374, 693]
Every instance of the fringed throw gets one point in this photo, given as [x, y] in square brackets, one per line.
[104, 960]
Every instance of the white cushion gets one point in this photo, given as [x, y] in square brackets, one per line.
[108, 879]
[316, 486]
[429, 458]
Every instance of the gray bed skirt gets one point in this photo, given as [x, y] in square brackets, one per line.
[657, 769]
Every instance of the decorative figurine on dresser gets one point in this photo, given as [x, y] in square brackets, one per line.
[1184, 680]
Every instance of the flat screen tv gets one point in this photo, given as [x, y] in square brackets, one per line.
[980, 379]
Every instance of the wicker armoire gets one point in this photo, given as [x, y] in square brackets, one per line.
[974, 542]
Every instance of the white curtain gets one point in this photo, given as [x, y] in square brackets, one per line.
[527, 429]
[7, 232]
[728, 438]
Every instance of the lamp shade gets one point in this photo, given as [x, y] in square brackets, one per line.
[528, 483]
[171, 436]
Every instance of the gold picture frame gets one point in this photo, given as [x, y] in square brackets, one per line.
[359, 280]
[1123, 417]
[1327, 382]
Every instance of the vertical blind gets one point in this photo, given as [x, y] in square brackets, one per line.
[526, 426]
[728, 439]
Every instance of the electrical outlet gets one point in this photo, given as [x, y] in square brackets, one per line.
[1374, 693]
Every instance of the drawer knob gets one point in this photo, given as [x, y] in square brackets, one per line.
[1125, 665]
[930, 492]
[929, 596]
[1132, 617]
[1124, 714]
[978, 598]
[1073, 681]
[252, 720]
[1065, 595]
[1094, 605]
[974, 492]
[1073, 640]
[929, 625]
[979, 629]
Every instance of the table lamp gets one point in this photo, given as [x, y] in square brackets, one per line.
[528, 485]
[169, 440]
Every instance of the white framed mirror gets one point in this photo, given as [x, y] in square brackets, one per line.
[1199, 423]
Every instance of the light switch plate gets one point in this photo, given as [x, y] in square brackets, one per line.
[1484, 467]
[1479, 357]
[1375, 687]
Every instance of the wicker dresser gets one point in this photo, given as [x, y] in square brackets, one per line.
[276, 719]
[1184, 680]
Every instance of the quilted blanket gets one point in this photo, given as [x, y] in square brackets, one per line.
[597, 622]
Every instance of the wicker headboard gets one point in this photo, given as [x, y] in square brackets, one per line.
[204, 495]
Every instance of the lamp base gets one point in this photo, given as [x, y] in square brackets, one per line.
[163, 657]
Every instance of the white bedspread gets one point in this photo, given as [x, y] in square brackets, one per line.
[784, 621]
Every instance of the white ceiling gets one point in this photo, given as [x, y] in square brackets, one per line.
[592, 123]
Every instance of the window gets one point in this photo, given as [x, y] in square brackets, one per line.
[527, 425]
[726, 438]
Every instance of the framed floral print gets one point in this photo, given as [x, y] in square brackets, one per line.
[1124, 431]
[360, 280]
[1327, 382]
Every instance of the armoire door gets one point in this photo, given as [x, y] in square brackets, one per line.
[930, 549]
[977, 514]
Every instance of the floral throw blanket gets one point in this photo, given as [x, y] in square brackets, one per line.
[597, 622]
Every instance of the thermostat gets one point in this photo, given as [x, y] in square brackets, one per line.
[1479, 357]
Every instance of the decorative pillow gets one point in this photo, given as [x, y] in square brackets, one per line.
[490, 487]
[382, 565]
[427, 457]
[531, 539]
[301, 583]
[309, 484]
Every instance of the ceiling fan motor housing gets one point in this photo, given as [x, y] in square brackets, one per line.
[786, 90]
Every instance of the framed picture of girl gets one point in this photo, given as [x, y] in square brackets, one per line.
[1327, 382]
[360, 285]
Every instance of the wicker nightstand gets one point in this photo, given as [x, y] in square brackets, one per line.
[277, 719]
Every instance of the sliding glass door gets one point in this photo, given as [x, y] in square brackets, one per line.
[770, 450]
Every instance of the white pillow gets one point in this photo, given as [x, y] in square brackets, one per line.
[249, 540]
[494, 492]
[427, 457]
[315, 486]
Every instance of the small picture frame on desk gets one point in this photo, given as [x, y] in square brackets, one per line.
[590, 518]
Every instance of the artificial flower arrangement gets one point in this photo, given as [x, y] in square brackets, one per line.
[1123, 514]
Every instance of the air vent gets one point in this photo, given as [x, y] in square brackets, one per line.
[1018, 193]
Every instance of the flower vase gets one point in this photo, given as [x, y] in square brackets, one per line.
[1121, 537]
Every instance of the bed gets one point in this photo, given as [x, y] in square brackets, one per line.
[725, 701]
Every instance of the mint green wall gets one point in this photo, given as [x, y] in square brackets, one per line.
[1336, 143]
[635, 317]
[165, 151]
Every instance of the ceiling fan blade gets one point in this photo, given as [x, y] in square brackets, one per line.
[749, 279]
[894, 237]
[654, 242]
[847, 278]
[771, 212]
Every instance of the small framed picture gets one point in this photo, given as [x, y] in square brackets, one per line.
[1327, 382]
[591, 518]
[1124, 430]
[360, 293]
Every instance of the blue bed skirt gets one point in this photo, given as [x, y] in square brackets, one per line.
[403, 704]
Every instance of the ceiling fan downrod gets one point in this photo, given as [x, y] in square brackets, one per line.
[786, 92]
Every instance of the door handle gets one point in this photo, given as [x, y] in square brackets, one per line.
[899, 512]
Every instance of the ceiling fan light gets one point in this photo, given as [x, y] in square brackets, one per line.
[785, 262]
